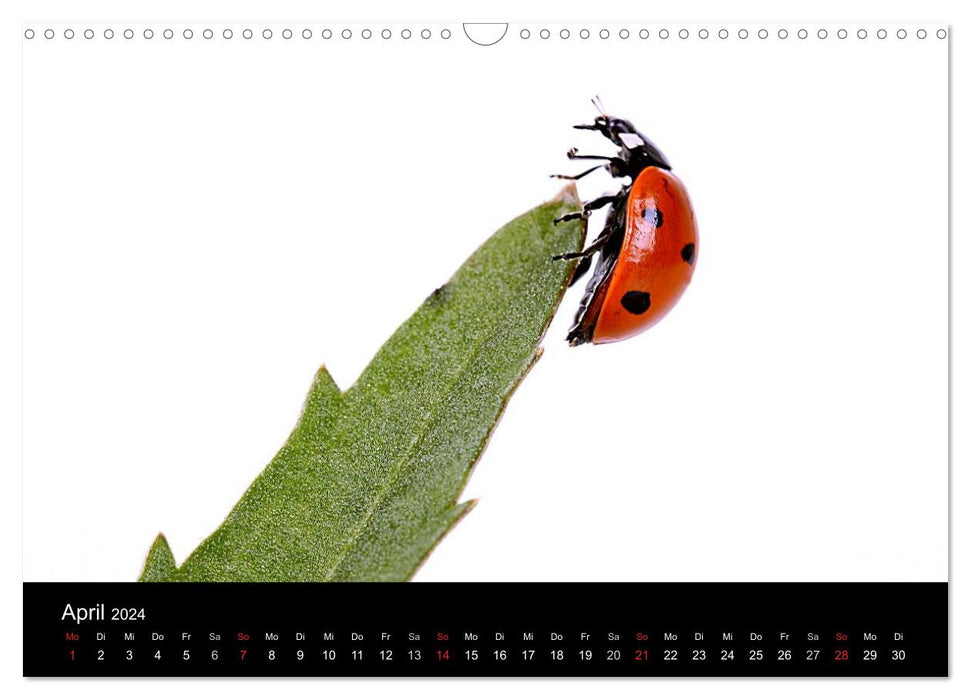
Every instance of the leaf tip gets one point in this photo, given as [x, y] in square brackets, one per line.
[325, 380]
[160, 563]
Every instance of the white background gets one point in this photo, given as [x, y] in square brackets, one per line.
[207, 221]
[680, 154]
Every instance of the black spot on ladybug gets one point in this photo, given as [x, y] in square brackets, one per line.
[636, 302]
[654, 215]
[688, 253]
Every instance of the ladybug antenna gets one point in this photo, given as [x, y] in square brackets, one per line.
[598, 105]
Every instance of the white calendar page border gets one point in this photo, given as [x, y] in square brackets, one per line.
[847, 10]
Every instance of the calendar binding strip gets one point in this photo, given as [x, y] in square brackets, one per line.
[478, 32]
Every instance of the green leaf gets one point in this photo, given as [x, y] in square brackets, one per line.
[159, 564]
[368, 481]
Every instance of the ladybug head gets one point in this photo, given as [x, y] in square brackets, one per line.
[636, 150]
[612, 127]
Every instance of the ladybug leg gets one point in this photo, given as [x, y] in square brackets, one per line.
[573, 155]
[589, 127]
[570, 217]
[616, 166]
[586, 256]
[599, 202]
[598, 243]
[588, 207]
[579, 175]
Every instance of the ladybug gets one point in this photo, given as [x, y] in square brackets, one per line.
[648, 246]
